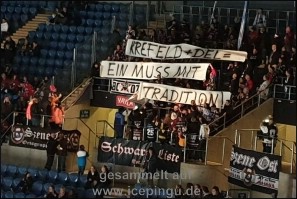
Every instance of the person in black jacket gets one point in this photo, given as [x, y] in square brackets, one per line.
[104, 181]
[62, 152]
[289, 81]
[26, 183]
[92, 178]
[51, 193]
[51, 151]
[150, 165]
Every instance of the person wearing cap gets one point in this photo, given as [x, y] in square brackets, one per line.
[269, 133]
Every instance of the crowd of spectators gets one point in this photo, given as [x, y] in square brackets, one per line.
[271, 59]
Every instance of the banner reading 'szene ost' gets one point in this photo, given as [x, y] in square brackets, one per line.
[37, 137]
[124, 152]
[146, 49]
[165, 93]
[254, 170]
[151, 70]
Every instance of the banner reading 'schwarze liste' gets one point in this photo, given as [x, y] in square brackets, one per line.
[254, 170]
[146, 49]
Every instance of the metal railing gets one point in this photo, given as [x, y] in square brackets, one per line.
[281, 91]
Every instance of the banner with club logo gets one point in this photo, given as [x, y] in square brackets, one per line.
[255, 170]
[37, 137]
[126, 152]
[128, 87]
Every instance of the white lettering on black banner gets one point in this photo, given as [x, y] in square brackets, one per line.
[123, 86]
[146, 49]
[173, 94]
[151, 70]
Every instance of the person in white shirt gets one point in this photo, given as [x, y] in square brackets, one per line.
[203, 135]
[260, 19]
[4, 28]
[263, 90]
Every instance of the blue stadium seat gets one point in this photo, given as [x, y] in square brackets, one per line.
[82, 180]
[55, 36]
[53, 44]
[9, 194]
[91, 7]
[8, 16]
[123, 24]
[42, 174]
[3, 9]
[97, 23]
[64, 29]
[59, 63]
[105, 31]
[83, 22]
[53, 175]
[39, 35]
[45, 187]
[33, 171]
[25, 10]
[89, 30]
[32, 34]
[23, 69]
[103, 48]
[3, 169]
[11, 170]
[16, 182]
[24, 18]
[69, 54]
[16, 17]
[37, 188]
[41, 27]
[32, 11]
[57, 28]
[17, 10]
[107, 8]
[99, 7]
[89, 193]
[71, 37]
[73, 29]
[62, 177]
[124, 8]
[69, 46]
[83, 13]
[73, 179]
[44, 53]
[49, 71]
[98, 15]
[106, 15]
[60, 54]
[19, 195]
[40, 70]
[123, 16]
[67, 63]
[79, 38]
[7, 183]
[62, 37]
[21, 171]
[106, 23]
[80, 29]
[47, 35]
[86, 57]
[90, 22]
[61, 45]
[49, 27]
[98, 30]
[33, 61]
[115, 8]
[52, 53]
[90, 14]
[50, 62]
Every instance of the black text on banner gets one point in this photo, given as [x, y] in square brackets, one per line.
[161, 92]
[254, 170]
[151, 70]
[146, 49]
[37, 137]
[124, 152]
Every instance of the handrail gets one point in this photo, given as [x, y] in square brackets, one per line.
[105, 122]
[63, 100]
[7, 116]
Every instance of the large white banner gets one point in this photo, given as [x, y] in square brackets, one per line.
[174, 94]
[150, 70]
[146, 49]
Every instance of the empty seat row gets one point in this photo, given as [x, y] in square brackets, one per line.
[113, 8]
[21, 18]
[19, 10]
[36, 4]
[47, 36]
[103, 15]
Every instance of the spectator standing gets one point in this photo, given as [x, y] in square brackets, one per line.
[51, 149]
[269, 132]
[62, 152]
[82, 155]
[119, 123]
[289, 81]
[4, 28]
[92, 178]
[263, 90]
[260, 19]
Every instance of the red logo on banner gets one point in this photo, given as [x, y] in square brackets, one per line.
[124, 102]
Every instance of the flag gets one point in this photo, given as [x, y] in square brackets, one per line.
[213, 9]
[242, 26]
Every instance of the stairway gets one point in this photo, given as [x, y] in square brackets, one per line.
[29, 26]
[70, 99]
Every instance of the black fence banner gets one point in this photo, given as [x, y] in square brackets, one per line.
[254, 170]
[37, 137]
[126, 152]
